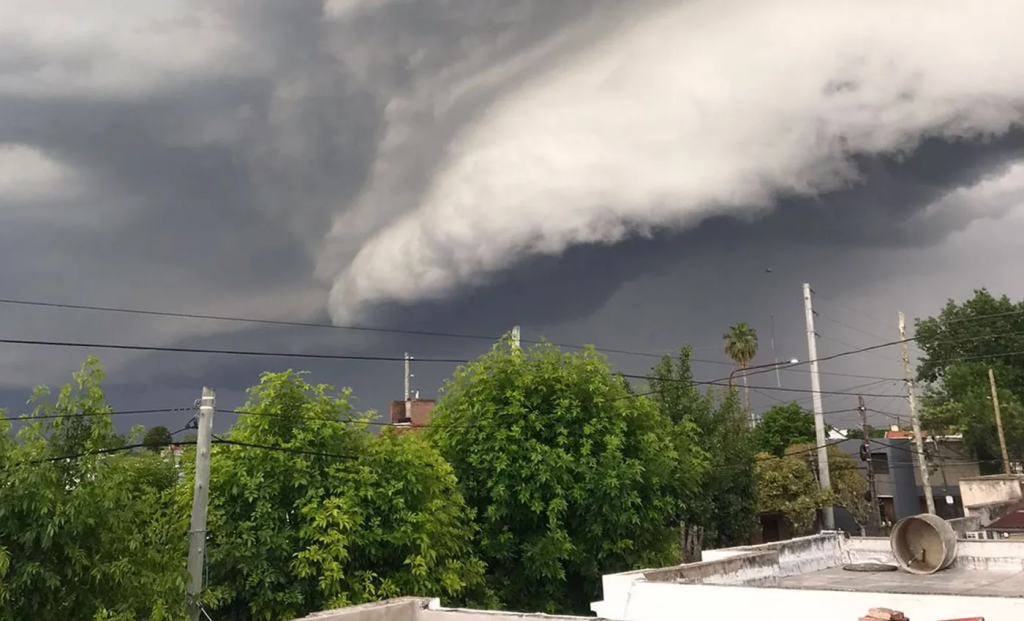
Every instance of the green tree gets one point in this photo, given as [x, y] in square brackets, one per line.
[983, 330]
[786, 485]
[849, 486]
[724, 506]
[741, 347]
[157, 438]
[960, 344]
[85, 535]
[962, 403]
[329, 515]
[570, 473]
[783, 426]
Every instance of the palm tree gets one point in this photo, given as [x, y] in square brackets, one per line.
[741, 347]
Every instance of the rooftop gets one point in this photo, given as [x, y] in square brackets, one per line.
[808, 573]
[1012, 520]
[954, 581]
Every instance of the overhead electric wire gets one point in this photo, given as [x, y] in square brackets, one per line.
[227, 352]
[283, 449]
[106, 451]
[98, 413]
[818, 295]
[349, 327]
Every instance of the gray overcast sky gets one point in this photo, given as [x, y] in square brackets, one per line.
[600, 172]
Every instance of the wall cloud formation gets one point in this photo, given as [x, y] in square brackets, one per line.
[669, 113]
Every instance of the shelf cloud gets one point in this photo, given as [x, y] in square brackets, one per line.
[681, 112]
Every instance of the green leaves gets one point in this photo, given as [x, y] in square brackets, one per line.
[367, 518]
[570, 475]
[85, 538]
[740, 344]
[716, 463]
[786, 485]
[783, 426]
[960, 344]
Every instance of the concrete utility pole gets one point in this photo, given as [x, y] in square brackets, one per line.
[200, 498]
[408, 393]
[999, 421]
[874, 527]
[515, 337]
[828, 515]
[922, 462]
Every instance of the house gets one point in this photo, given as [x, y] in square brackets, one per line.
[898, 478]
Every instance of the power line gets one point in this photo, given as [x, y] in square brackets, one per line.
[854, 328]
[722, 383]
[305, 324]
[227, 352]
[99, 413]
[853, 310]
[282, 449]
[106, 451]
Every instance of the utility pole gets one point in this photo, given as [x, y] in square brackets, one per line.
[873, 518]
[828, 515]
[408, 393]
[200, 498]
[999, 420]
[515, 337]
[922, 462]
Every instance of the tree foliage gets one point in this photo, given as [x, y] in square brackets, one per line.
[740, 344]
[787, 486]
[157, 438]
[570, 473]
[783, 426]
[724, 504]
[335, 516]
[960, 344]
[85, 536]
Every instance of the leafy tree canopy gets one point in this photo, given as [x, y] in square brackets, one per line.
[783, 426]
[787, 486]
[960, 344]
[983, 330]
[724, 505]
[570, 473]
[85, 537]
[740, 344]
[157, 438]
[336, 516]
[849, 484]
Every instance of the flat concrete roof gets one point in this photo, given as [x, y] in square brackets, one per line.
[952, 581]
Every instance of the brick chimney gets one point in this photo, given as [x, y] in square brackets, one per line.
[419, 410]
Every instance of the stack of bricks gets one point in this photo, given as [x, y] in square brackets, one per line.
[884, 614]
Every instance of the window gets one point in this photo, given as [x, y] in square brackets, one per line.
[880, 463]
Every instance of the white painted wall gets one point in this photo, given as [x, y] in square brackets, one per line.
[650, 601]
[990, 489]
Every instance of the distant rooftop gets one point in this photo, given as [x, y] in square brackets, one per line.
[1013, 520]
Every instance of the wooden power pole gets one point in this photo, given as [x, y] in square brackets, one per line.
[999, 421]
[922, 462]
[200, 499]
[874, 525]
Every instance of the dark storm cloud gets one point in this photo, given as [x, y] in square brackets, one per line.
[213, 188]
